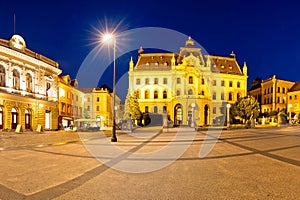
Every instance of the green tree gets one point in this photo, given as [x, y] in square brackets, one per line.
[126, 115]
[246, 107]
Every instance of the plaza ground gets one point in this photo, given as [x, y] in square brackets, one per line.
[243, 164]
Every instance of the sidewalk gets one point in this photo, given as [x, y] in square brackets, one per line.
[25, 139]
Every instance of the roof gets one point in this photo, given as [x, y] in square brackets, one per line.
[154, 61]
[224, 65]
[295, 87]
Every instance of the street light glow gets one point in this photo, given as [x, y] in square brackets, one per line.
[107, 37]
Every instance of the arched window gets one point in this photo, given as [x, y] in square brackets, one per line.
[138, 94]
[190, 92]
[16, 79]
[28, 82]
[146, 94]
[165, 94]
[238, 96]
[230, 96]
[155, 94]
[2, 76]
[190, 80]
[238, 84]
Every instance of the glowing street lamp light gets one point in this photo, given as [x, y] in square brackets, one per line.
[228, 117]
[108, 38]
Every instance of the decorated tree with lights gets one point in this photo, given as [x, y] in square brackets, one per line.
[246, 108]
[132, 107]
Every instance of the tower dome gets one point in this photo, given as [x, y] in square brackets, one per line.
[189, 42]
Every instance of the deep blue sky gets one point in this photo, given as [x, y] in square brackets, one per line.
[264, 34]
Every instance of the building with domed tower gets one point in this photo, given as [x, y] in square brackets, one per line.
[28, 87]
[189, 87]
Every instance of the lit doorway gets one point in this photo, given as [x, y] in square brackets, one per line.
[14, 118]
[47, 119]
[27, 119]
[178, 114]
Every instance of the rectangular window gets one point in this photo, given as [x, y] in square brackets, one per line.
[214, 83]
[98, 108]
[98, 99]
[178, 80]
[283, 90]
[230, 83]
[222, 83]
[165, 109]
[214, 110]
[278, 99]
[202, 81]
[147, 81]
[146, 109]
[222, 96]
[138, 81]
[295, 97]
[88, 108]
[155, 80]
[278, 89]
[165, 81]
[238, 84]
[155, 109]
[190, 80]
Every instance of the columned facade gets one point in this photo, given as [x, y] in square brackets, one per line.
[28, 87]
[187, 86]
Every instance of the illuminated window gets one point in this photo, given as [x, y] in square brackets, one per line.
[155, 94]
[2, 76]
[146, 94]
[222, 83]
[190, 80]
[28, 82]
[165, 81]
[16, 79]
[165, 95]
[230, 96]
[138, 81]
[138, 94]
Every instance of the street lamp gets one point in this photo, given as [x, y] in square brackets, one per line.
[228, 117]
[107, 38]
[290, 113]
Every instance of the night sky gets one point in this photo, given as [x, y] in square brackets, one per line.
[264, 34]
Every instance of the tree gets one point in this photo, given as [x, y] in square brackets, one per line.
[246, 107]
[132, 107]
[135, 111]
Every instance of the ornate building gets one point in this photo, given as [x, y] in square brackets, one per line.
[271, 93]
[187, 86]
[28, 87]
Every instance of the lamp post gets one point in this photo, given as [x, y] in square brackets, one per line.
[193, 123]
[290, 113]
[228, 117]
[106, 38]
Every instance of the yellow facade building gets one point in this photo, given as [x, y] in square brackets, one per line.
[189, 86]
[71, 101]
[271, 94]
[293, 100]
[98, 105]
[28, 87]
